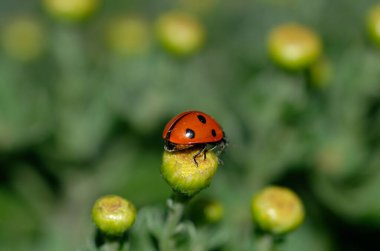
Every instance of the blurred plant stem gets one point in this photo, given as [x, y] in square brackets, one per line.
[114, 243]
[114, 246]
[265, 242]
[176, 206]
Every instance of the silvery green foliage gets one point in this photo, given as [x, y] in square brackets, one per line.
[80, 122]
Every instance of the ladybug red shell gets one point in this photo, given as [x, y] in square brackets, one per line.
[193, 128]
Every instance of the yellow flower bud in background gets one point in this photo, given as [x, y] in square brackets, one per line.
[206, 211]
[180, 33]
[23, 38]
[294, 47]
[183, 175]
[339, 157]
[277, 210]
[373, 24]
[113, 215]
[213, 211]
[70, 10]
[128, 35]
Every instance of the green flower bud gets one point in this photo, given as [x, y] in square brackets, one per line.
[277, 210]
[183, 175]
[213, 211]
[128, 36]
[373, 24]
[24, 39]
[113, 215]
[206, 211]
[293, 46]
[180, 33]
[70, 10]
[339, 157]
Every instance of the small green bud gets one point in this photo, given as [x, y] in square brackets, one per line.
[183, 175]
[205, 211]
[277, 210]
[113, 215]
[373, 24]
[70, 10]
[293, 46]
[213, 211]
[128, 35]
[24, 38]
[339, 157]
[180, 33]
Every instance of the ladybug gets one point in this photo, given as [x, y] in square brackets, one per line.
[193, 129]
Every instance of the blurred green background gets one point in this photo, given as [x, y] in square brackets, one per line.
[84, 98]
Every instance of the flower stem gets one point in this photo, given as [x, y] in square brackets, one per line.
[107, 243]
[114, 246]
[176, 205]
[266, 242]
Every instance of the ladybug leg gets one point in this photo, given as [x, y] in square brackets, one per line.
[195, 161]
[213, 146]
[201, 151]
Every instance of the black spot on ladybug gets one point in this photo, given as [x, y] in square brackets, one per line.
[202, 119]
[190, 133]
[213, 132]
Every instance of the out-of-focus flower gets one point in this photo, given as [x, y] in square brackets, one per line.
[128, 35]
[373, 24]
[293, 46]
[113, 215]
[24, 38]
[180, 33]
[339, 157]
[206, 211]
[70, 10]
[277, 210]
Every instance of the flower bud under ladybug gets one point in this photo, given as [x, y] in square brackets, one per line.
[193, 129]
[184, 177]
[293, 46]
[277, 210]
[113, 215]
